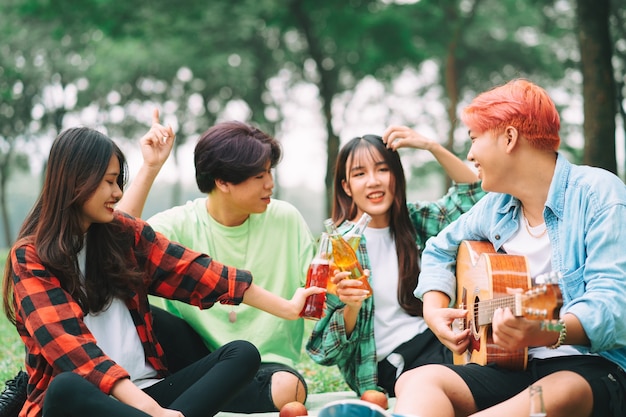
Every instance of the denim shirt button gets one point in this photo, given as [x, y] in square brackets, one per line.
[497, 237]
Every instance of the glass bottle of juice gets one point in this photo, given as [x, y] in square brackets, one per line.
[317, 275]
[354, 235]
[344, 257]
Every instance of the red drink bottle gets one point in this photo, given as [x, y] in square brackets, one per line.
[317, 276]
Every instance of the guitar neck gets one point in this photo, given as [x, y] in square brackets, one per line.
[486, 308]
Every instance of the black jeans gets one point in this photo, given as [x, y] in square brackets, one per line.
[198, 390]
[182, 345]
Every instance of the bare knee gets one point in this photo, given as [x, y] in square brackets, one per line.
[567, 394]
[287, 387]
[416, 377]
[433, 390]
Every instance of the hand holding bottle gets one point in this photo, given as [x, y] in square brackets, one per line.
[262, 299]
[350, 291]
[344, 257]
[317, 276]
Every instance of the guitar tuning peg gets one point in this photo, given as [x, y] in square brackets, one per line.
[551, 277]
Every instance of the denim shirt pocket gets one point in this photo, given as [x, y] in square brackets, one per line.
[572, 284]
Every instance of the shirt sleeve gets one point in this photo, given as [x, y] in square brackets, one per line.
[179, 273]
[431, 217]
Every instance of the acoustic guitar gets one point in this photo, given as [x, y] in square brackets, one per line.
[487, 280]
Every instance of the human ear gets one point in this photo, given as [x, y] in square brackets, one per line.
[346, 188]
[221, 185]
[512, 135]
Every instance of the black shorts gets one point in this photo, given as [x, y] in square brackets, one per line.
[257, 397]
[607, 381]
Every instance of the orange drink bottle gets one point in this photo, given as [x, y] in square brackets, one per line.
[344, 257]
[354, 235]
[317, 276]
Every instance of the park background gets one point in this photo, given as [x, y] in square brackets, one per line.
[313, 73]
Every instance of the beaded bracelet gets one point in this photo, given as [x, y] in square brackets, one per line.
[562, 334]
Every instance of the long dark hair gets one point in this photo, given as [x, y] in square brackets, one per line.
[78, 160]
[400, 225]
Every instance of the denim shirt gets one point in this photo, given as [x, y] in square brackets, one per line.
[585, 215]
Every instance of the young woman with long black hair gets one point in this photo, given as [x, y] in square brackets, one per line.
[76, 287]
[374, 339]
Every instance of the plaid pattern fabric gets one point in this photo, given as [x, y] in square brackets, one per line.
[356, 356]
[51, 325]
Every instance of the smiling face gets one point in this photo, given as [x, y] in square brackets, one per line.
[250, 196]
[370, 184]
[100, 205]
[491, 159]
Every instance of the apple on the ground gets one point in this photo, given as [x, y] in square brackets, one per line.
[376, 397]
[293, 409]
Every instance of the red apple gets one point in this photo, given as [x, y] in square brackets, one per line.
[375, 397]
[293, 409]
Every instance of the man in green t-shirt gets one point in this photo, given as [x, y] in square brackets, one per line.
[238, 224]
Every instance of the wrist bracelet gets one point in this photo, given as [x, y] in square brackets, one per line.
[562, 334]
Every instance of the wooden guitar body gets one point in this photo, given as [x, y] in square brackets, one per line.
[487, 280]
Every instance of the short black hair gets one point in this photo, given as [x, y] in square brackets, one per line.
[233, 151]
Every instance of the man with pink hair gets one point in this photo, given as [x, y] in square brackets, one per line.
[562, 218]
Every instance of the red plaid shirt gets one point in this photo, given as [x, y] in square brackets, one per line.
[51, 325]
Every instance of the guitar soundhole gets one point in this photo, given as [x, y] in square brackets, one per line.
[475, 316]
[474, 345]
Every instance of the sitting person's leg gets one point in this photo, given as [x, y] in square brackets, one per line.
[572, 386]
[273, 386]
[180, 342]
[433, 390]
[288, 386]
[201, 389]
[71, 395]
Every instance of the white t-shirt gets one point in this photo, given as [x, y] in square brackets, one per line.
[392, 325]
[117, 336]
[538, 254]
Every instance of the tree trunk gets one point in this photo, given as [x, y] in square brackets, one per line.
[452, 89]
[451, 80]
[327, 87]
[598, 83]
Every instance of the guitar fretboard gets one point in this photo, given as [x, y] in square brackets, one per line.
[486, 308]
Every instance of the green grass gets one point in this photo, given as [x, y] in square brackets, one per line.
[319, 378]
[12, 351]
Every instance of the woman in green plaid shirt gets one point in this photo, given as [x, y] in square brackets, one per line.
[373, 346]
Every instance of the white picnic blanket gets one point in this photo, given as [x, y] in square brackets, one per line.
[313, 404]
